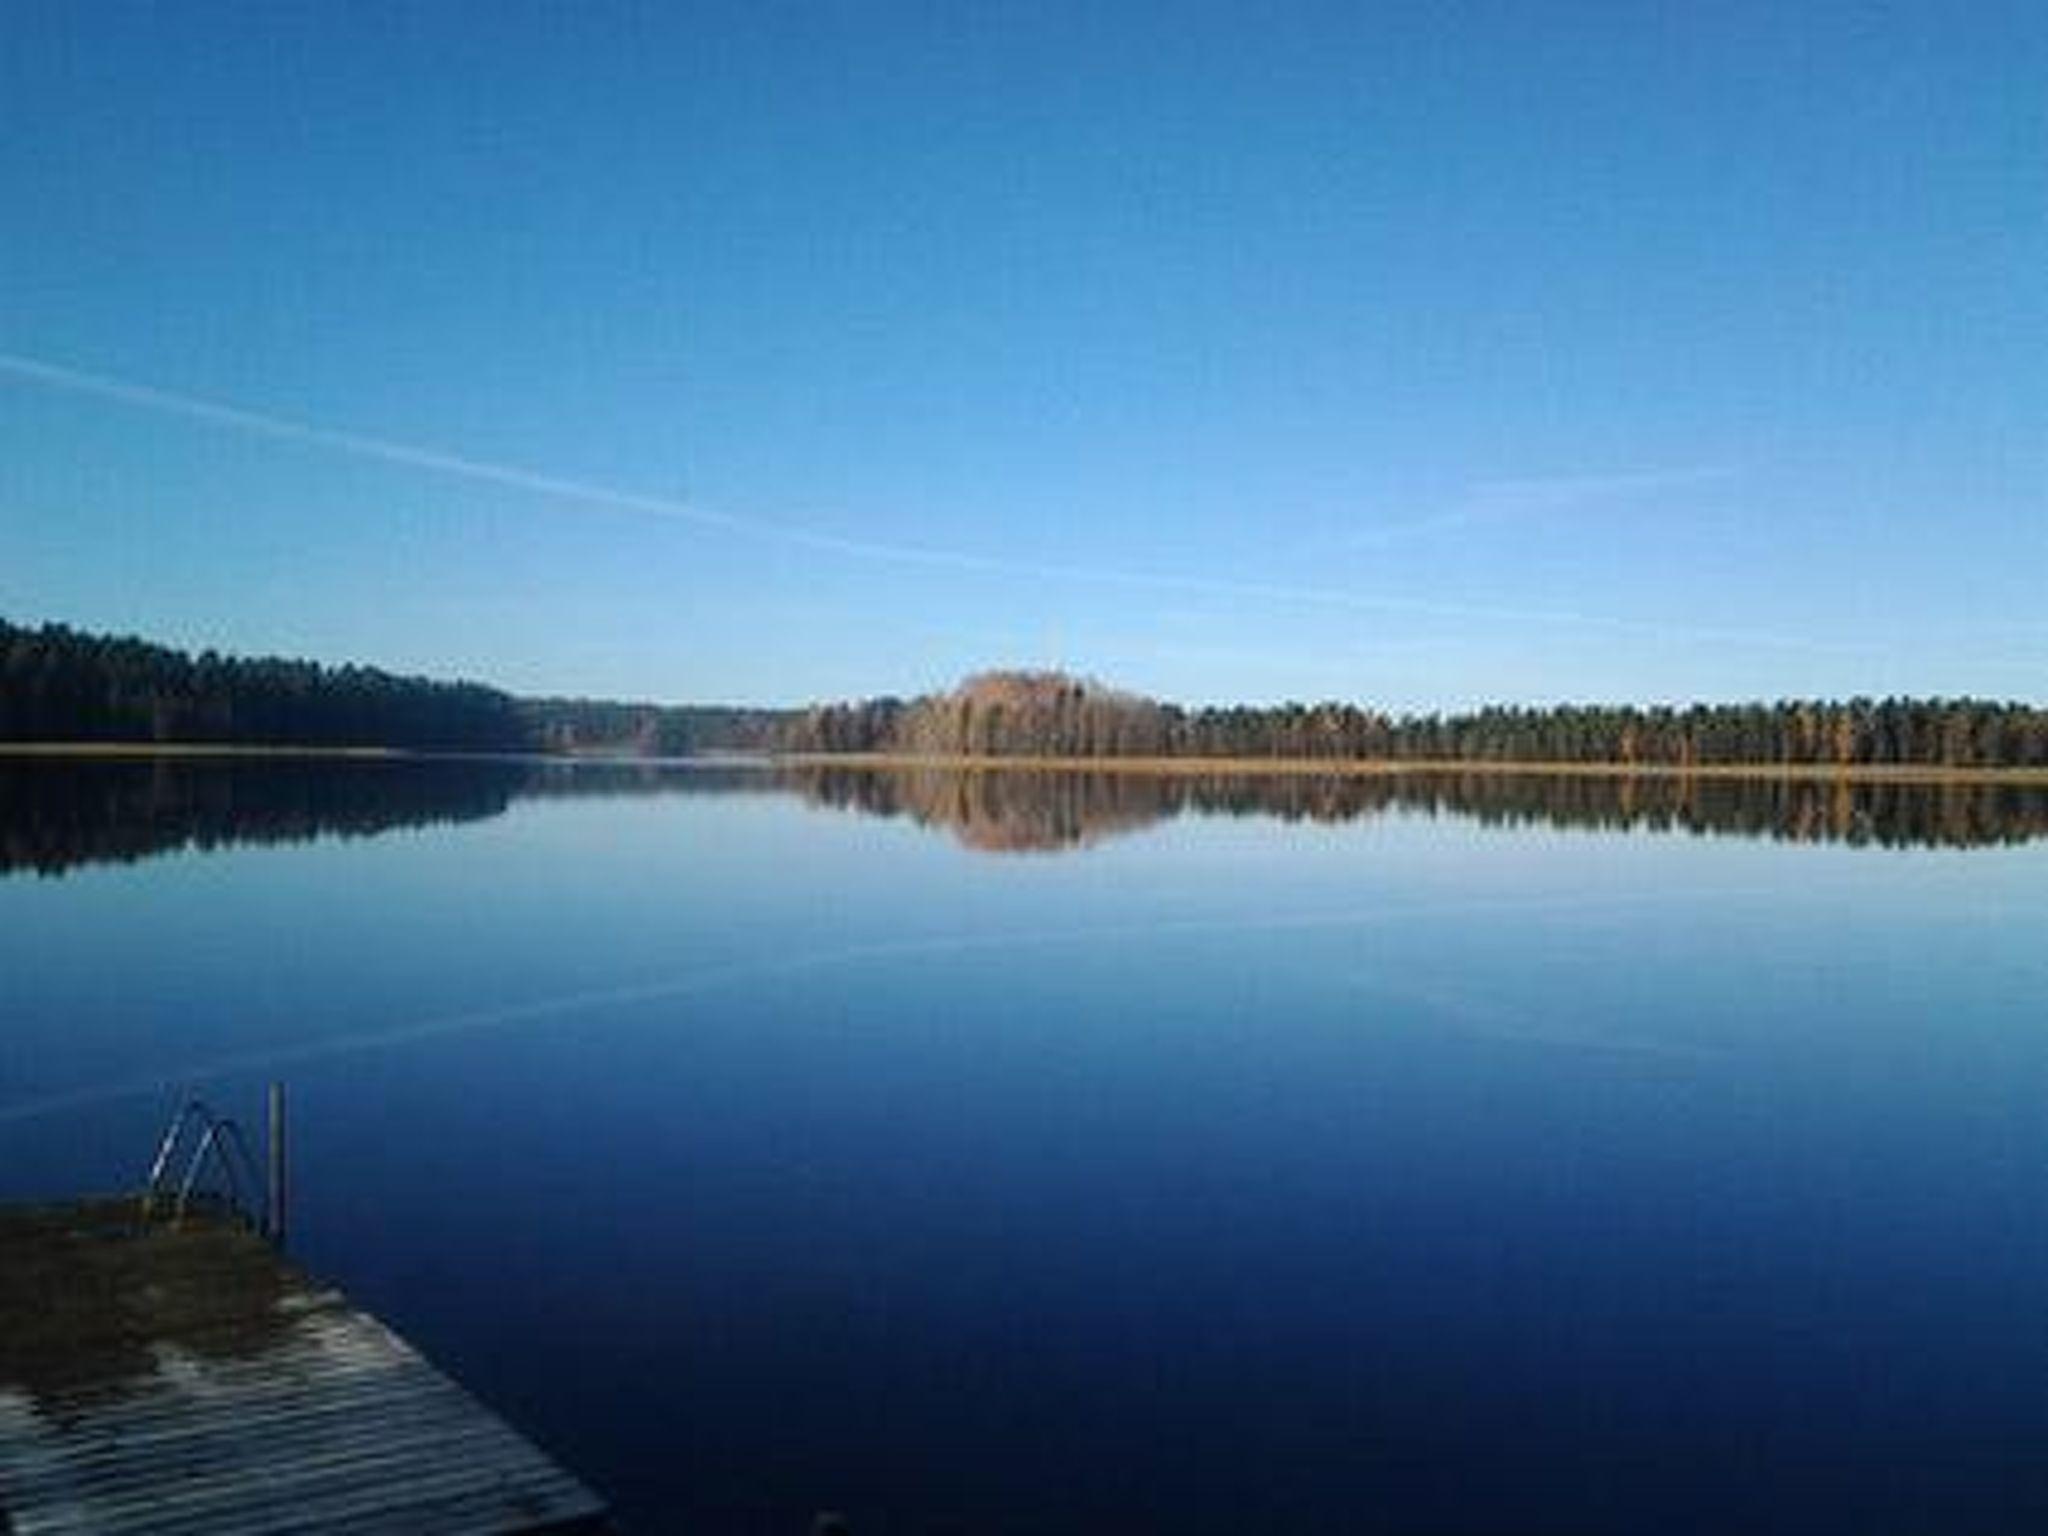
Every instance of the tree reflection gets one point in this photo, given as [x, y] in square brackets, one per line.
[59, 813]
[1015, 810]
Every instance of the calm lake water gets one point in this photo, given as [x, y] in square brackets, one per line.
[1047, 1153]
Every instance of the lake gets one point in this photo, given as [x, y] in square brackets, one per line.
[1063, 1152]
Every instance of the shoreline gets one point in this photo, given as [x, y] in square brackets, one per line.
[1181, 767]
[1314, 767]
[202, 749]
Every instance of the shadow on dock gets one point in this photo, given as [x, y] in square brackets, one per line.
[180, 1378]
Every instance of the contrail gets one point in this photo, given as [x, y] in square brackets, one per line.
[673, 509]
[1490, 501]
[357, 443]
[571, 1004]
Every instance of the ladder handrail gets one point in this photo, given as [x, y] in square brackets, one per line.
[173, 1133]
[219, 1134]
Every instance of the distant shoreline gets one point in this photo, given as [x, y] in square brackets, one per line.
[252, 750]
[1300, 767]
[198, 749]
[1932, 773]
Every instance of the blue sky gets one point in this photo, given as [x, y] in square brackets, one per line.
[1415, 354]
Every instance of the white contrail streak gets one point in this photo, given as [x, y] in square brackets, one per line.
[672, 509]
[568, 1005]
[1494, 501]
[360, 444]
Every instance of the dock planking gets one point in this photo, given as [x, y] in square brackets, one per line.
[184, 1378]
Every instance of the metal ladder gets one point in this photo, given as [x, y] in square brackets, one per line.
[219, 1137]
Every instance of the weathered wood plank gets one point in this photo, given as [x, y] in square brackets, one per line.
[181, 1382]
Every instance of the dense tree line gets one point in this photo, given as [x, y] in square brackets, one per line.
[1050, 715]
[997, 714]
[603, 727]
[58, 684]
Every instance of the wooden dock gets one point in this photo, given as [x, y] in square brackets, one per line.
[184, 1378]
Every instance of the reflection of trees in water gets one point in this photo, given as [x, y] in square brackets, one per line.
[999, 811]
[1009, 810]
[56, 814]
[1882, 812]
[590, 778]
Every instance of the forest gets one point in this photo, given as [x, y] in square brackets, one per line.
[1046, 714]
[60, 684]
[63, 685]
[604, 727]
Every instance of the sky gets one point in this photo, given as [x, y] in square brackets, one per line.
[1417, 354]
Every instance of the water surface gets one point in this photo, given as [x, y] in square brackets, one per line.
[1069, 1152]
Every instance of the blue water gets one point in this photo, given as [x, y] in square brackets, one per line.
[1218, 1173]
